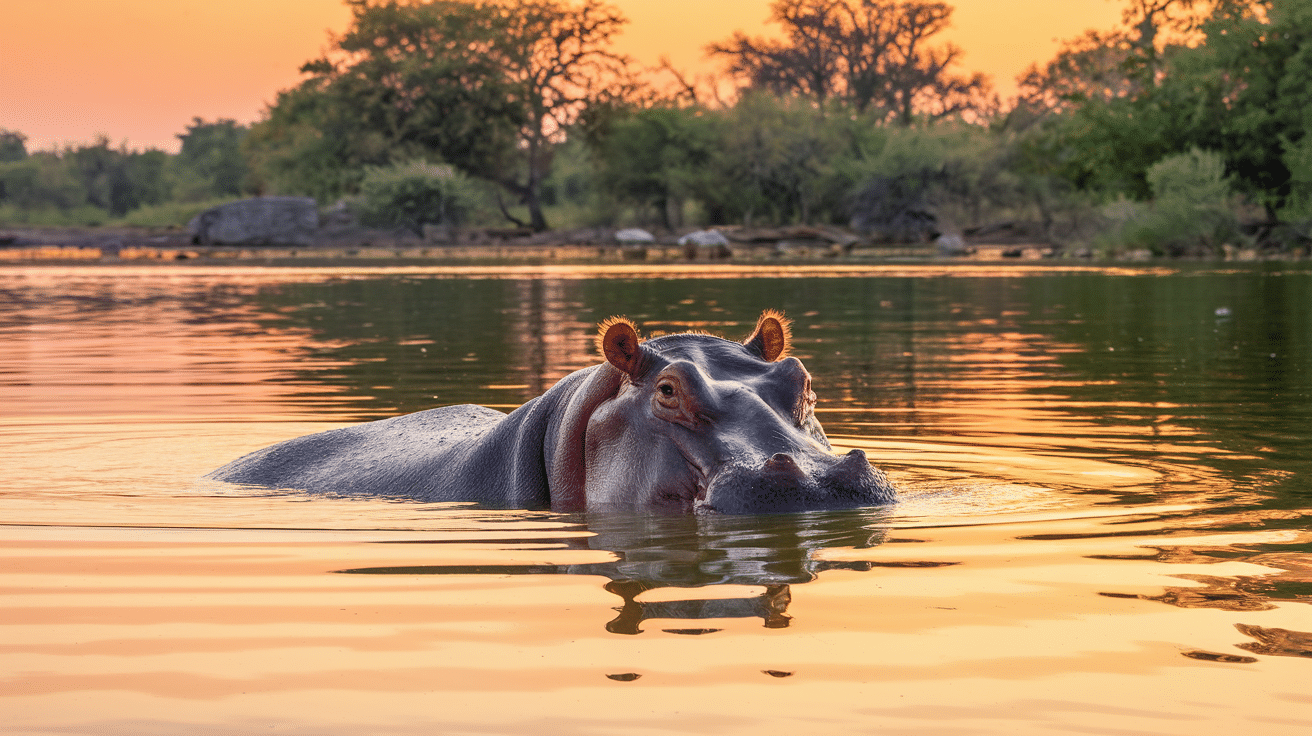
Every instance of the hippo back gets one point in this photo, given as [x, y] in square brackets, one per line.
[401, 456]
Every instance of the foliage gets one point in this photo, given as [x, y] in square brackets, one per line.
[119, 180]
[487, 87]
[1298, 159]
[412, 195]
[1191, 209]
[13, 146]
[1112, 105]
[453, 111]
[306, 146]
[112, 181]
[40, 181]
[210, 163]
[95, 183]
[172, 213]
[870, 54]
[656, 160]
[957, 172]
[1264, 96]
[776, 159]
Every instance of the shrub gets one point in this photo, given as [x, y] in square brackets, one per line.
[909, 182]
[412, 195]
[1298, 159]
[1191, 209]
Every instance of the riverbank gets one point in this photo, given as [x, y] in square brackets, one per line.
[592, 245]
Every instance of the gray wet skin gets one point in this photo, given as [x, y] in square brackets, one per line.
[682, 423]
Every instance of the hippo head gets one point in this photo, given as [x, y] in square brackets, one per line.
[707, 425]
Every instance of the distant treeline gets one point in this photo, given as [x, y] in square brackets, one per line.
[1181, 131]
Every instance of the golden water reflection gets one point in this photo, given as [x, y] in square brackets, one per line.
[182, 628]
[1088, 540]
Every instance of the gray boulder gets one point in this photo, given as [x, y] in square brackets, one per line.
[705, 239]
[258, 221]
[951, 244]
[634, 236]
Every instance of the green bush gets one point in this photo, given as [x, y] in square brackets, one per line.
[775, 161]
[83, 215]
[39, 182]
[1192, 209]
[1298, 159]
[415, 194]
[167, 214]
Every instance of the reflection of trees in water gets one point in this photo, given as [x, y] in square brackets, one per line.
[551, 338]
[701, 552]
[892, 343]
[195, 344]
[1085, 356]
[1211, 360]
[1276, 642]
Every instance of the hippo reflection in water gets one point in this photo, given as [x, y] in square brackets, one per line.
[688, 557]
[687, 423]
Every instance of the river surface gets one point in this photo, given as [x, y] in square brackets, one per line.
[1105, 475]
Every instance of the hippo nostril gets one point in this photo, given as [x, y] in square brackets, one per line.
[850, 468]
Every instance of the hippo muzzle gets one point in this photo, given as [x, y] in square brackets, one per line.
[781, 484]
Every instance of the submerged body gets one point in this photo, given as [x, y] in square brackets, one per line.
[682, 423]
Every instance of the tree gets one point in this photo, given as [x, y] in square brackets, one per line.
[116, 179]
[809, 62]
[1238, 81]
[776, 158]
[212, 151]
[41, 181]
[656, 158]
[558, 61]
[488, 87]
[872, 54]
[13, 146]
[1258, 60]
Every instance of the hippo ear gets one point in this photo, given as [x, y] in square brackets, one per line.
[618, 341]
[772, 338]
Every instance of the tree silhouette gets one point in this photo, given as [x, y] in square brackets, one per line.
[487, 87]
[871, 54]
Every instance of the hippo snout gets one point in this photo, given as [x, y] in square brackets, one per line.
[852, 469]
[781, 484]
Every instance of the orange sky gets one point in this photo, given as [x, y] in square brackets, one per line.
[139, 70]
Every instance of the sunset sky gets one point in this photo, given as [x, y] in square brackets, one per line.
[139, 70]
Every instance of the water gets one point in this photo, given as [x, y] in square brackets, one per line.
[1104, 524]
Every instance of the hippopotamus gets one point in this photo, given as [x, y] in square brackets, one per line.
[682, 423]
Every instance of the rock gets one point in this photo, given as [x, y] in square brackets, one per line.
[258, 221]
[952, 245]
[705, 239]
[633, 235]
